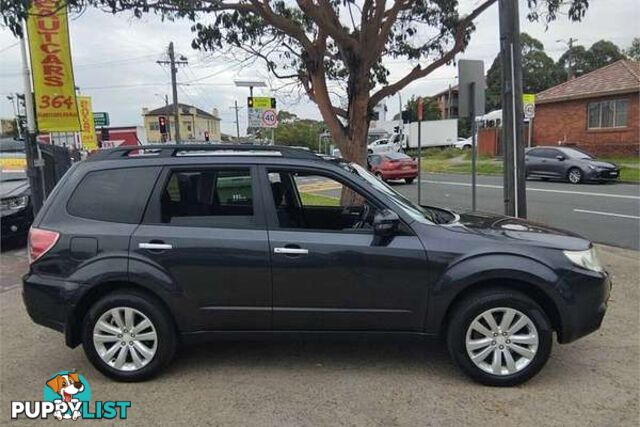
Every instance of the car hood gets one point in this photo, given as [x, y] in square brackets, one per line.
[516, 230]
[19, 187]
[603, 165]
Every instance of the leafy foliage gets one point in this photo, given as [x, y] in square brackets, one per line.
[633, 51]
[430, 109]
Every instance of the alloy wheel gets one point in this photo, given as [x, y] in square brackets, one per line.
[125, 338]
[502, 341]
[575, 176]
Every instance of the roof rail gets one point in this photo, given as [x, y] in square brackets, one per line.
[173, 150]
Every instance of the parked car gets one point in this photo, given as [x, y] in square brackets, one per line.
[569, 164]
[15, 194]
[137, 253]
[390, 166]
[384, 145]
[463, 144]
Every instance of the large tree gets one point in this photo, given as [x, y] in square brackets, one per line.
[334, 49]
[430, 109]
[633, 51]
[539, 72]
[584, 61]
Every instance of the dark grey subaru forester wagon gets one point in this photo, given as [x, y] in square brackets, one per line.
[140, 248]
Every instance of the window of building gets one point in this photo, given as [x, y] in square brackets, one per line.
[123, 194]
[607, 114]
[154, 126]
[208, 198]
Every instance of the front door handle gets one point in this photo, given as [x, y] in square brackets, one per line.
[155, 246]
[291, 251]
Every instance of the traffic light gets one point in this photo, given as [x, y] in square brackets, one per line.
[162, 124]
[206, 135]
[406, 116]
[104, 134]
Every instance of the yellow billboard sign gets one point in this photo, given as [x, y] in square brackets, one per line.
[50, 51]
[87, 128]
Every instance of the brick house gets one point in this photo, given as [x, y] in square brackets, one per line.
[447, 101]
[598, 112]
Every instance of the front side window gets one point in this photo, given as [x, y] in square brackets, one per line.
[607, 114]
[208, 198]
[312, 201]
[116, 195]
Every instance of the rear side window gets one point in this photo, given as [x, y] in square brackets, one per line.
[116, 195]
[208, 198]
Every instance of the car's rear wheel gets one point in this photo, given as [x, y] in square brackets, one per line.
[575, 176]
[409, 180]
[128, 336]
[499, 337]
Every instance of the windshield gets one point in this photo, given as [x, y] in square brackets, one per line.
[416, 212]
[577, 154]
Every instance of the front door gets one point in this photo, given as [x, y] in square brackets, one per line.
[329, 270]
[205, 229]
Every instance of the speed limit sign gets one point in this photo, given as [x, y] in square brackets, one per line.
[529, 105]
[269, 118]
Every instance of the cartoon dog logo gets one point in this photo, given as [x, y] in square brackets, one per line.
[66, 386]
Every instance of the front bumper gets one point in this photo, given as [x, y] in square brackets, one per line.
[603, 175]
[17, 224]
[586, 295]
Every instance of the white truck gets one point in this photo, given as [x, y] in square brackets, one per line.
[434, 133]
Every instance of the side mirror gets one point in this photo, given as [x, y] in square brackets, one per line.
[385, 222]
[560, 157]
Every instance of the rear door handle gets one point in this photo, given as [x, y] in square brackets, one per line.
[155, 246]
[291, 251]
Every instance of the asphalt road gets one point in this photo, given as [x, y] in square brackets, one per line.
[592, 382]
[604, 213]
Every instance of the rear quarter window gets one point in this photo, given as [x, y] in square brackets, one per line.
[116, 195]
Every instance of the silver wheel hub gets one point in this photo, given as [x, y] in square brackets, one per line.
[502, 341]
[125, 339]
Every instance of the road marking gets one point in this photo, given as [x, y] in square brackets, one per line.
[544, 190]
[607, 214]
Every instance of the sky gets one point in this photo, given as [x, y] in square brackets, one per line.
[115, 58]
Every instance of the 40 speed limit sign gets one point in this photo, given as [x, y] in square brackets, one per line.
[269, 118]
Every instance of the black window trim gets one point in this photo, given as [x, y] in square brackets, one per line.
[271, 217]
[80, 180]
[152, 214]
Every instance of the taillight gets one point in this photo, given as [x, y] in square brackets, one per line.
[40, 241]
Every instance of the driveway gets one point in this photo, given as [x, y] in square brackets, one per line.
[594, 381]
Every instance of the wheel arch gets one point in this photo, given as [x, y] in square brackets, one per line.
[534, 292]
[73, 331]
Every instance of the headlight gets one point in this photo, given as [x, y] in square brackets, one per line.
[585, 259]
[592, 167]
[12, 205]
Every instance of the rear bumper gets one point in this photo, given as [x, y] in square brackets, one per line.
[399, 174]
[586, 295]
[50, 302]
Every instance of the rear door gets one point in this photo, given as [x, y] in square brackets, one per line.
[204, 227]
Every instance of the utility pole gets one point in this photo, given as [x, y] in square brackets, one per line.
[515, 202]
[34, 160]
[570, 70]
[235, 107]
[174, 86]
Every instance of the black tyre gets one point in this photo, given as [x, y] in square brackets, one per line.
[499, 337]
[128, 336]
[409, 180]
[575, 175]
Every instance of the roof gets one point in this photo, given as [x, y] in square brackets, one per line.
[454, 88]
[168, 110]
[620, 77]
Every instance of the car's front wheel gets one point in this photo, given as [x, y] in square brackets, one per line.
[409, 180]
[128, 336]
[575, 176]
[500, 337]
